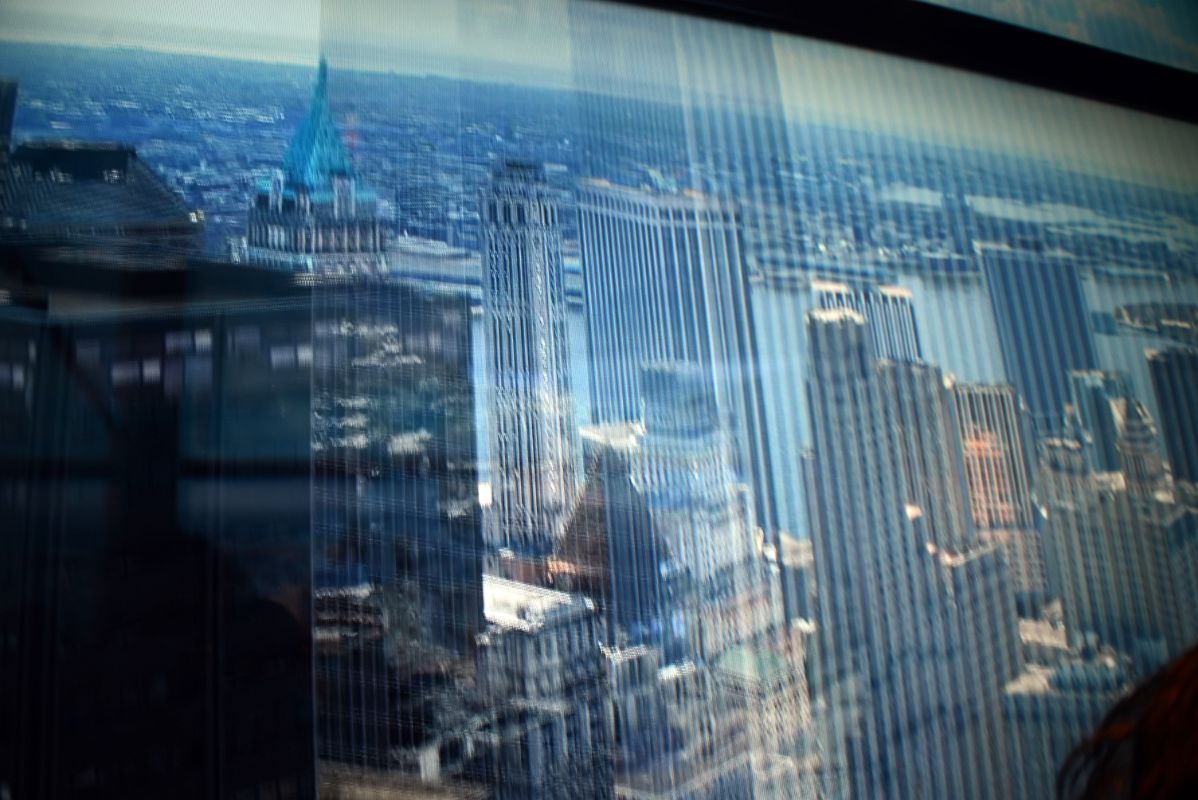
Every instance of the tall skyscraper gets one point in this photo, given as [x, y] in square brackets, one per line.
[1174, 373]
[1139, 457]
[315, 215]
[532, 430]
[922, 404]
[995, 439]
[1043, 326]
[284, 527]
[8, 107]
[1092, 393]
[685, 471]
[878, 611]
[901, 618]
[665, 280]
[888, 312]
[1118, 551]
[397, 551]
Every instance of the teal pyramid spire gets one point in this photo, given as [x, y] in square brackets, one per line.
[317, 152]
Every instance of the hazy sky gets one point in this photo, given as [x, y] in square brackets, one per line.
[622, 50]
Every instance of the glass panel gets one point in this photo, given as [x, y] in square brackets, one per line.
[561, 399]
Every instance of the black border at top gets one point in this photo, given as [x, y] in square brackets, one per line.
[919, 30]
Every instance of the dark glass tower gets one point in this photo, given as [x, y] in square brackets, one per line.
[1174, 373]
[1043, 327]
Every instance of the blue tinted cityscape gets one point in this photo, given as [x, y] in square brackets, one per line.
[623, 429]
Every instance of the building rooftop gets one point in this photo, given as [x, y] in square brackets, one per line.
[1039, 632]
[661, 195]
[752, 664]
[511, 605]
[1103, 671]
[97, 185]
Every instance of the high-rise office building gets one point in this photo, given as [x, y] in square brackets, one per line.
[987, 655]
[397, 545]
[899, 616]
[878, 607]
[859, 491]
[533, 441]
[170, 520]
[284, 553]
[1091, 394]
[1050, 710]
[1043, 326]
[543, 678]
[666, 280]
[315, 215]
[1118, 551]
[1174, 373]
[921, 402]
[995, 439]
[1139, 456]
[888, 312]
[699, 511]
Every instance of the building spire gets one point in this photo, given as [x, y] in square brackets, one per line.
[317, 153]
[322, 77]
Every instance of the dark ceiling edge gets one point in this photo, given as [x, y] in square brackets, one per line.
[919, 30]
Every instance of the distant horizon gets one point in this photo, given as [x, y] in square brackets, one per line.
[857, 90]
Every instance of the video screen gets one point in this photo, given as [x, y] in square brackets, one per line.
[566, 399]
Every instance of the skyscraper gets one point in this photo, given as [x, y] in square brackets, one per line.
[610, 550]
[994, 442]
[1174, 373]
[888, 312]
[685, 472]
[905, 625]
[665, 280]
[1119, 552]
[1043, 326]
[532, 430]
[995, 438]
[397, 551]
[170, 518]
[53, 188]
[922, 404]
[877, 605]
[315, 215]
[1092, 393]
[1139, 457]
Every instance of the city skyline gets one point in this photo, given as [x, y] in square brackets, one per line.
[529, 450]
[899, 96]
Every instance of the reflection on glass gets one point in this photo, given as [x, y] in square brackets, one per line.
[563, 400]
